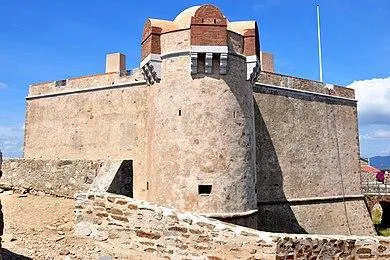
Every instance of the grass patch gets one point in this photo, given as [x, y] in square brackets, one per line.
[384, 232]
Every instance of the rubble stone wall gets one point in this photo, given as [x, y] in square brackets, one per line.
[167, 233]
[57, 177]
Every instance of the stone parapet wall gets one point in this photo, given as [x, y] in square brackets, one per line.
[167, 233]
[56, 177]
[304, 84]
[92, 81]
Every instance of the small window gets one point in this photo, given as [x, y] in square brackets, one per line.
[215, 20]
[234, 114]
[147, 185]
[179, 112]
[201, 62]
[204, 189]
[60, 83]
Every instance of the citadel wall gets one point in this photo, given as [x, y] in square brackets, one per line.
[201, 123]
[93, 124]
[87, 119]
[307, 148]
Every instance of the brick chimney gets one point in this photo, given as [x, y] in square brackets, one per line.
[267, 61]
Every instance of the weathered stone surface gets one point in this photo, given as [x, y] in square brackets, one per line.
[115, 211]
[208, 225]
[287, 165]
[147, 235]
[120, 218]
[204, 236]
[57, 177]
[131, 206]
[179, 229]
[82, 229]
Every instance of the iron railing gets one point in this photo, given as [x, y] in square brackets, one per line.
[369, 184]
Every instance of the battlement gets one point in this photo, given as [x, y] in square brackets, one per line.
[116, 74]
[206, 35]
[300, 84]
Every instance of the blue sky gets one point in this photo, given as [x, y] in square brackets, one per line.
[48, 40]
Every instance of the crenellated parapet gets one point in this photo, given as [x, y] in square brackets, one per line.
[211, 38]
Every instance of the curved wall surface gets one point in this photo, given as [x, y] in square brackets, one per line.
[203, 134]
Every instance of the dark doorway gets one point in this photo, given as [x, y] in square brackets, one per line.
[122, 183]
[386, 214]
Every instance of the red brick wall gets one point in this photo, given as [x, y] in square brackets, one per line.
[251, 42]
[267, 63]
[208, 27]
[150, 40]
[208, 35]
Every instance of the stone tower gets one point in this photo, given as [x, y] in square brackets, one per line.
[200, 69]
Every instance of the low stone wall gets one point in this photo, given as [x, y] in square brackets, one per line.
[57, 177]
[167, 233]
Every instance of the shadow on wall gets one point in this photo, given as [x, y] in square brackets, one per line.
[6, 254]
[122, 183]
[383, 228]
[272, 217]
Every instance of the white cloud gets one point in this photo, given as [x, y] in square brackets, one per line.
[379, 134]
[373, 97]
[11, 141]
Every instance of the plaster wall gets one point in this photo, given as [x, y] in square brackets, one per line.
[327, 218]
[307, 146]
[91, 125]
[201, 132]
[175, 41]
[101, 124]
[305, 140]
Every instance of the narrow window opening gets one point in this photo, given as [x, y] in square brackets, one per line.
[204, 189]
[179, 112]
[201, 62]
[234, 114]
[215, 20]
[216, 61]
[60, 83]
[147, 185]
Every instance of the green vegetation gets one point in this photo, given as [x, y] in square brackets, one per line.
[384, 232]
[376, 215]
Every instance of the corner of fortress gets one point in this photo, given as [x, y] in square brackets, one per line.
[206, 126]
